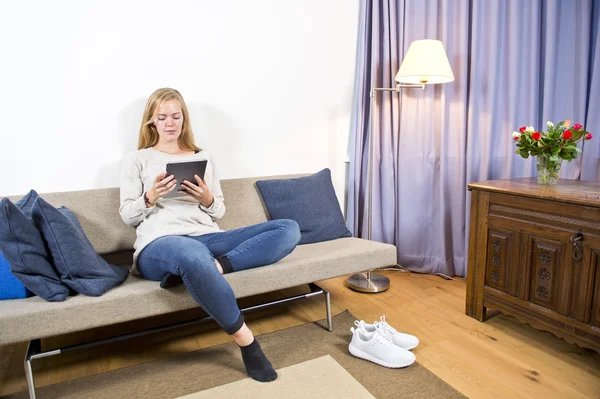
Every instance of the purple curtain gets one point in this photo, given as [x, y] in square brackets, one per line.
[515, 63]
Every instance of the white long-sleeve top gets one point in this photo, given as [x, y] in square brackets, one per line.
[170, 216]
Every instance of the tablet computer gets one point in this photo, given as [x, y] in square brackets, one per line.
[184, 170]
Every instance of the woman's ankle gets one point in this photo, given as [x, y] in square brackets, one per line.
[243, 337]
[219, 267]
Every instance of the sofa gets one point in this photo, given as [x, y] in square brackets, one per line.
[31, 319]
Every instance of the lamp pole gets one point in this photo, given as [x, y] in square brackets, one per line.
[374, 282]
[425, 62]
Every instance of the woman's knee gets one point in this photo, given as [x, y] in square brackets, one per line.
[196, 260]
[291, 230]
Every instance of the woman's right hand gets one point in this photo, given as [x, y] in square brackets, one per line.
[161, 187]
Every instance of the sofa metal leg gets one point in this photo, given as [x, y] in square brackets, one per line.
[328, 305]
[34, 351]
[29, 377]
[315, 289]
[32, 348]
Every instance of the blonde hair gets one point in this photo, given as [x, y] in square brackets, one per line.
[148, 133]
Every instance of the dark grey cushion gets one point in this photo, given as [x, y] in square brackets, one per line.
[310, 201]
[22, 246]
[78, 264]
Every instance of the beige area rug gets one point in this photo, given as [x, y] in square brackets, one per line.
[219, 365]
[322, 377]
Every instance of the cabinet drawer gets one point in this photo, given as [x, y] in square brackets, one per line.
[543, 213]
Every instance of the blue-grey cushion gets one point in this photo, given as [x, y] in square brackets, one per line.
[26, 203]
[10, 286]
[308, 200]
[23, 247]
[73, 255]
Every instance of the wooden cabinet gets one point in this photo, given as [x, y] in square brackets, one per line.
[534, 253]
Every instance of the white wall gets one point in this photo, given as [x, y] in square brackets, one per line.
[268, 83]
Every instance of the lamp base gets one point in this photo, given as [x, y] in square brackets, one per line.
[377, 283]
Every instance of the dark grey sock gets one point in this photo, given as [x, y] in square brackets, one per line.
[257, 364]
[225, 264]
[171, 280]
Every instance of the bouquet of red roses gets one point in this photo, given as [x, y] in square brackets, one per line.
[560, 141]
[551, 147]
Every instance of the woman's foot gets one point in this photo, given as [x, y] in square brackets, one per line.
[170, 281]
[257, 365]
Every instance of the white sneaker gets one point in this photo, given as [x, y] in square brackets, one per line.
[379, 349]
[405, 341]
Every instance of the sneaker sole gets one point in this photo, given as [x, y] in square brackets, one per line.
[363, 355]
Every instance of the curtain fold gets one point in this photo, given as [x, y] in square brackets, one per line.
[515, 63]
[591, 149]
[359, 131]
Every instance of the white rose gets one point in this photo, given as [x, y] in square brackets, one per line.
[516, 135]
[530, 129]
[550, 125]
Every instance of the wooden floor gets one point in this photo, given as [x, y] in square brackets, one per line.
[496, 359]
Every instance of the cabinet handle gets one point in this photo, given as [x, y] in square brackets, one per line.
[577, 241]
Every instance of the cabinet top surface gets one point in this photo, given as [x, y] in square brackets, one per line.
[577, 192]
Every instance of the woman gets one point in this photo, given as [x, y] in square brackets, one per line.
[178, 238]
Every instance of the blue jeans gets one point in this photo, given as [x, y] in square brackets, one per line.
[193, 258]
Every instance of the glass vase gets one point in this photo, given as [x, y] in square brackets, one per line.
[547, 170]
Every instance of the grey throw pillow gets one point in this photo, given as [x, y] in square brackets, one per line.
[310, 201]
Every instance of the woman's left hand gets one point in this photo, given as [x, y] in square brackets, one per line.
[199, 191]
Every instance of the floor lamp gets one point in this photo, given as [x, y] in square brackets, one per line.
[425, 63]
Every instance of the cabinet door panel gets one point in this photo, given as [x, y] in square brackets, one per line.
[595, 275]
[585, 276]
[546, 267]
[502, 258]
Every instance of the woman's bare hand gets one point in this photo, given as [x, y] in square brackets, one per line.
[162, 186]
[199, 191]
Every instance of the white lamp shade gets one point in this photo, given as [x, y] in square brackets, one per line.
[425, 62]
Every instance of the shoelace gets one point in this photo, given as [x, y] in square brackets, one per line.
[385, 327]
[381, 325]
[385, 340]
